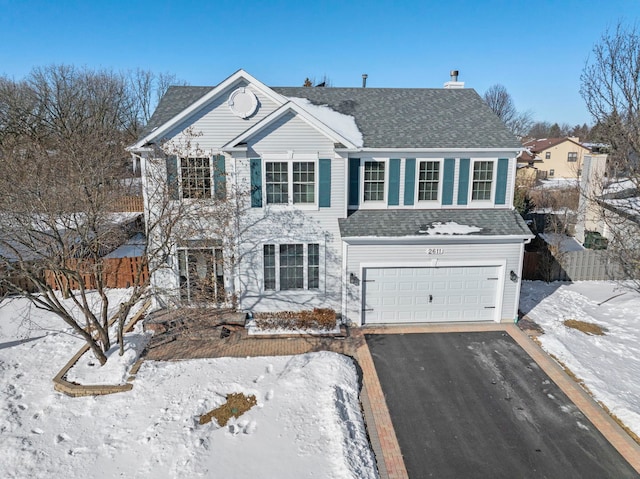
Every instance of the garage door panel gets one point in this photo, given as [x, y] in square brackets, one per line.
[430, 294]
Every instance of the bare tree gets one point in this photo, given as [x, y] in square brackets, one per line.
[145, 90]
[500, 101]
[610, 87]
[62, 150]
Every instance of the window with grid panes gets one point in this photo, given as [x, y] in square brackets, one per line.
[304, 182]
[428, 178]
[482, 180]
[269, 270]
[374, 180]
[291, 266]
[313, 266]
[572, 156]
[196, 177]
[277, 182]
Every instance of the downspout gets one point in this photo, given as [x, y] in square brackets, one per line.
[519, 285]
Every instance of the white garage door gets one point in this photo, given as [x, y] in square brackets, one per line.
[442, 294]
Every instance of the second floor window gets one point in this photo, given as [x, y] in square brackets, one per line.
[290, 182]
[482, 179]
[547, 155]
[374, 181]
[196, 178]
[572, 156]
[429, 176]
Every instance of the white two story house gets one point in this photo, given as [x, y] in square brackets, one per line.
[388, 205]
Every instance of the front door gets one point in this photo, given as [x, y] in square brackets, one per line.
[201, 275]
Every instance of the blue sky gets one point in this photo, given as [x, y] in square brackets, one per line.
[536, 49]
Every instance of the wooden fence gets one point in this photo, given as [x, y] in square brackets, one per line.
[586, 265]
[132, 204]
[118, 273]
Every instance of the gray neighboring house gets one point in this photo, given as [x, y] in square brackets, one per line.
[388, 205]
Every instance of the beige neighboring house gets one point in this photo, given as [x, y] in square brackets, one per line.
[557, 157]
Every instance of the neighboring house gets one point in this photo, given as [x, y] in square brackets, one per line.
[555, 157]
[389, 205]
[606, 203]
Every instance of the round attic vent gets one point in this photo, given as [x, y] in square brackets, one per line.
[243, 102]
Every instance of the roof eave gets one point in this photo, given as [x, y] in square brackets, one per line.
[439, 239]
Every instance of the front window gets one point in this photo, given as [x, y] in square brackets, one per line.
[196, 177]
[374, 181]
[547, 155]
[429, 176]
[304, 182]
[201, 275]
[482, 179]
[290, 182]
[277, 182]
[291, 266]
[572, 156]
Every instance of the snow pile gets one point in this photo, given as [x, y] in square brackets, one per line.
[559, 183]
[345, 125]
[253, 329]
[609, 365]
[448, 228]
[307, 420]
[88, 371]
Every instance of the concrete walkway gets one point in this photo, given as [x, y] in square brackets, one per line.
[196, 344]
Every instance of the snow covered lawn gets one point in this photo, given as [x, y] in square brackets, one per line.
[609, 365]
[307, 421]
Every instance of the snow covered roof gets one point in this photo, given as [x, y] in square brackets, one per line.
[398, 223]
[565, 243]
[341, 123]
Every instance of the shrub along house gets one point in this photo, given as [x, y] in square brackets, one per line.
[388, 205]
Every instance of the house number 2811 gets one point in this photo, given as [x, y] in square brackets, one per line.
[435, 250]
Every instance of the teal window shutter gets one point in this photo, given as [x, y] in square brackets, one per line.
[324, 184]
[354, 181]
[256, 182]
[409, 180]
[447, 181]
[171, 162]
[220, 177]
[463, 181]
[501, 181]
[394, 182]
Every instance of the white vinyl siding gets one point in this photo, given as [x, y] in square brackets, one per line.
[215, 124]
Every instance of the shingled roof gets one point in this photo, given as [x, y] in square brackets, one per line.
[415, 117]
[176, 99]
[397, 223]
[387, 117]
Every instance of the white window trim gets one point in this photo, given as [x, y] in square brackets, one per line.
[421, 203]
[491, 200]
[305, 266]
[290, 162]
[374, 204]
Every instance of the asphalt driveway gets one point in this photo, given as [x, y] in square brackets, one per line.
[476, 405]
